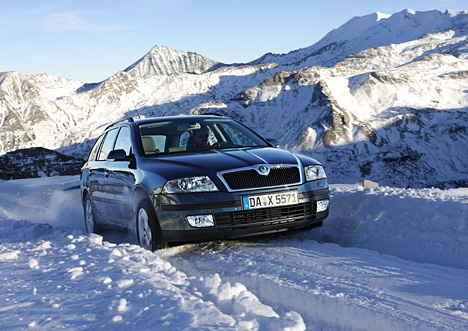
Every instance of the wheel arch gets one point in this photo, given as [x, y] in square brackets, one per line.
[140, 193]
[84, 193]
[142, 198]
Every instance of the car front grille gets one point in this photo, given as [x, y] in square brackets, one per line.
[250, 178]
[265, 216]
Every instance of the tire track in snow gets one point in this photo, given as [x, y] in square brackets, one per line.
[333, 287]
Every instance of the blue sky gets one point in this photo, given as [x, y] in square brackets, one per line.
[91, 40]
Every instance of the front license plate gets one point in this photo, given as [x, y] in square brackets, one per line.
[270, 200]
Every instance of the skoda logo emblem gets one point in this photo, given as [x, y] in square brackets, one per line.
[263, 170]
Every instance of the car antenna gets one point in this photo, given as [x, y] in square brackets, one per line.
[136, 109]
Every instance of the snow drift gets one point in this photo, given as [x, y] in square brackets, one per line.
[386, 258]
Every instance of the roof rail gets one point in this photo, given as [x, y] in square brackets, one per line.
[214, 114]
[128, 119]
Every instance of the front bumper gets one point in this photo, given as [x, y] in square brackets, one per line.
[231, 221]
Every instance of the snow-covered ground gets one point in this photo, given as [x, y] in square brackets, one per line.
[385, 259]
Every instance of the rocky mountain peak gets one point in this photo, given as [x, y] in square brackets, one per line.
[161, 60]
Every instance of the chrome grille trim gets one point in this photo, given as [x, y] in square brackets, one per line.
[247, 179]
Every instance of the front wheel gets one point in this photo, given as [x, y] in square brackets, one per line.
[90, 222]
[148, 230]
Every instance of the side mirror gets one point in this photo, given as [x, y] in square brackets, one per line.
[118, 155]
[274, 142]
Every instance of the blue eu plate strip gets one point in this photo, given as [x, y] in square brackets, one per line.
[246, 203]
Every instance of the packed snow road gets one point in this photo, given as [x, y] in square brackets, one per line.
[386, 258]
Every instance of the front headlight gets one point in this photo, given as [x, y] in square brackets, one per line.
[314, 172]
[189, 185]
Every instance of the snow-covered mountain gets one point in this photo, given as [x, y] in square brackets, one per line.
[165, 61]
[371, 31]
[383, 97]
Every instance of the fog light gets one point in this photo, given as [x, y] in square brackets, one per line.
[322, 205]
[201, 221]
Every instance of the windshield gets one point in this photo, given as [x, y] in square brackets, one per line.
[196, 135]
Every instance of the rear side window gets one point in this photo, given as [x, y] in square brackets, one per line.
[124, 140]
[92, 155]
[107, 145]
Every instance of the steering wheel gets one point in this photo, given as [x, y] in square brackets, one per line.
[219, 144]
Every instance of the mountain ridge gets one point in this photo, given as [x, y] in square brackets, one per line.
[371, 31]
[379, 112]
[161, 60]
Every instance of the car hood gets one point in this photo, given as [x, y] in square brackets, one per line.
[178, 165]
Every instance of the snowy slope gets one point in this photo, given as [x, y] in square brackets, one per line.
[369, 267]
[405, 126]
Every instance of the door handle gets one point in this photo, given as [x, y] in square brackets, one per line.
[106, 173]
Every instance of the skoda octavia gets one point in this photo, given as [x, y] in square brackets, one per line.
[194, 178]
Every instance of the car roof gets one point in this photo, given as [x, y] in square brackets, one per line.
[176, 118]
[163, 119]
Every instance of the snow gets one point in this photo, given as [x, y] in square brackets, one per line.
[386, 258]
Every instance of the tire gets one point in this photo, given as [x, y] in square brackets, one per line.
[89, 220]
[148, 229]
